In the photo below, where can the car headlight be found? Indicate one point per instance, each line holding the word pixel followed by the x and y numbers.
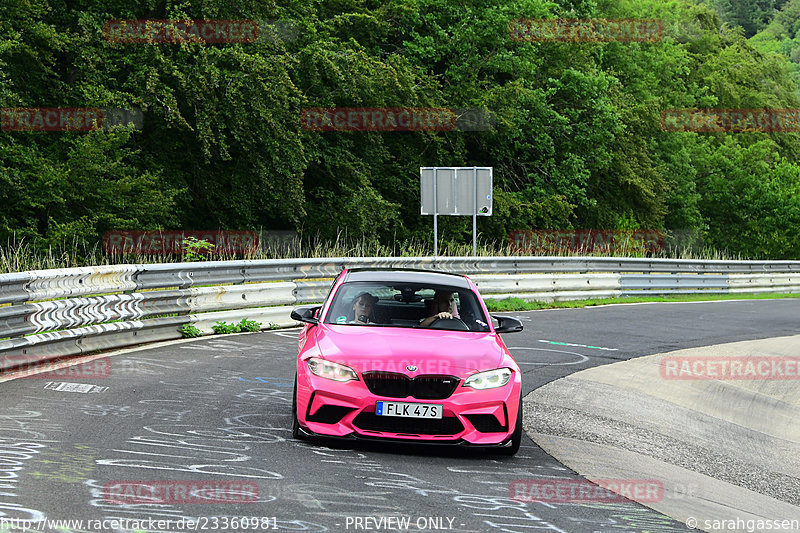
pixel 491 379
pixel 331 370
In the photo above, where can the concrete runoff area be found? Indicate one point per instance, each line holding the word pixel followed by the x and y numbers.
pixel 724 450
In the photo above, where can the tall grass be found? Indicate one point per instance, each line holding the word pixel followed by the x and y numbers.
pixel 22 255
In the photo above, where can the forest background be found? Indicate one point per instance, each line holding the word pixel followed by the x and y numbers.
pixel 577 141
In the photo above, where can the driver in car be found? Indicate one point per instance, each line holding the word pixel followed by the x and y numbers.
pixel 362 308
pixel 444 307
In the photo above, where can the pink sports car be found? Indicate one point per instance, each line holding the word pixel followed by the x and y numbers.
pixel 404 354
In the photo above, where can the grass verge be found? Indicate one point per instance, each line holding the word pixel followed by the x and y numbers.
pixel 24 255
pixel 518 304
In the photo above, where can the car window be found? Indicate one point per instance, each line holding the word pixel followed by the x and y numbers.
pixel 403 305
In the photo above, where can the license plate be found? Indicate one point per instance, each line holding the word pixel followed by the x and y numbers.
pixel 408 410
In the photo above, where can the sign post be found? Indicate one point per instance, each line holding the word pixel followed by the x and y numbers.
pixel 435 215
pixel 456 191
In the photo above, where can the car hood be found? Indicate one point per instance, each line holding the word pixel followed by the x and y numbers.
pixel 394 349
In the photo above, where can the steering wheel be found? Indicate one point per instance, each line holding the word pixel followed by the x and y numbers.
pixel 455 324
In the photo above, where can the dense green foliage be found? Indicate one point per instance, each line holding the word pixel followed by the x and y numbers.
pixel 781 36
pixel 578 141
pixel 751 15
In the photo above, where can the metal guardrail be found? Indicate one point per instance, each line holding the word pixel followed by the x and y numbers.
pixel 61 312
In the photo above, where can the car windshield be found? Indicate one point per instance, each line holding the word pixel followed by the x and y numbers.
pixel 407 306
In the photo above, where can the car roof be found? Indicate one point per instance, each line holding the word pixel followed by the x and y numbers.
pixel 422 277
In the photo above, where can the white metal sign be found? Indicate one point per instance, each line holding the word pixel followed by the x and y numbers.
pixel 458 190
pixel 455 191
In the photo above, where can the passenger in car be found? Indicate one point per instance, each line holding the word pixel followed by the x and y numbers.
pixel 444 307
pixel 363 306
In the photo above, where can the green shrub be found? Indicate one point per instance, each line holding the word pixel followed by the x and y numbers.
pixel 244 325
pixel 508 304
pixel 189 331
pixel 222 327
pixel 196 249
pixel 250 325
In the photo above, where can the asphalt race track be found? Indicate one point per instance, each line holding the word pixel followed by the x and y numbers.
pixel 217 409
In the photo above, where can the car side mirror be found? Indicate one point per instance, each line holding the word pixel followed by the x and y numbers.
pixel 306 314
pixel 506 324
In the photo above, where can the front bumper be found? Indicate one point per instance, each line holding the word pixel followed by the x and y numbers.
pixel 347 410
